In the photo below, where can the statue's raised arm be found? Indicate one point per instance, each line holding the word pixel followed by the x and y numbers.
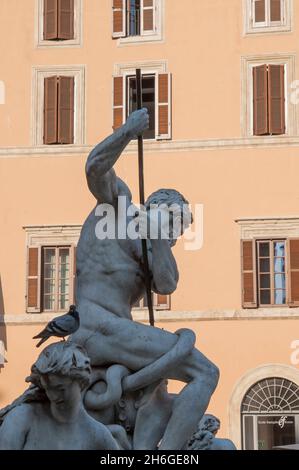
pixel 101 178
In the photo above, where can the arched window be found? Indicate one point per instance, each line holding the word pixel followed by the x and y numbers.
pixel 270 414
pixel 2 92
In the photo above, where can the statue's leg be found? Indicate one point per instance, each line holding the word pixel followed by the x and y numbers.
pixel 152 417
pixel 190 405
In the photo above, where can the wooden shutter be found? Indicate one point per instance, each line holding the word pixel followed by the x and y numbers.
pixel 118 102
pixel 259 11
pixel 260 100
pixel 50 110
pixel 65 19
pixel 147 16
pixel 275 10
pixel 293 271
pixel 248 262
pixel 119 18
pixel 33 280
pixel 164 106
pixel 276 99
pixel 50 19
pixel 66 110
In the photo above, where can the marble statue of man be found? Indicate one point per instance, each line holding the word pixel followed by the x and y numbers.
pixel 50 415
pixel 110 280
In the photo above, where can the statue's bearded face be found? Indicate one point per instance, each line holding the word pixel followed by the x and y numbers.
pixel 64 394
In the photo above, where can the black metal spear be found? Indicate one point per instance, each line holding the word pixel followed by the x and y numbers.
pixel 142 201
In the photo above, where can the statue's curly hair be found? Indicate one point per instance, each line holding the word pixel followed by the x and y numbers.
pixel 63 358
pixel 171 198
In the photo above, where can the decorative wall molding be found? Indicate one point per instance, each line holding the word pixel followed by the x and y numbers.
pixel 152 146
pixel 42 235
pixel 280 227
pixel 166 316
pixel 244 384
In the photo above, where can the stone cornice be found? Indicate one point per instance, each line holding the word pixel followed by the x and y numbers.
pixel 157 146
pixel 172 316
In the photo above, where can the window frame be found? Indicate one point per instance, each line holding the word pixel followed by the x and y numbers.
pixel 257 241
pixel 284 26
pixel 71 277
pixel 37 118
pixel 127 78
pixel 146 37
pixel 156 305
pixel 40 42
pixel 147 68
pixel 291 110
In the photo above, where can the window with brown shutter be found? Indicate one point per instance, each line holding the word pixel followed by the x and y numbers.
pixel 275 10
pixel 248 263
pixel 156 97
pixel 269 100
pixel 65 110
pixel 33 280
pixel 293 245
pixel 260 11
pixel 148 16
pixel 118 102
pixel 269 13
pixel 51 276
pixel 58 19
pixel 119 18
pixel 133 18
pixel 164 106
pixel 50 110
pixel 50 19
pixel 276 99
pixel 59 110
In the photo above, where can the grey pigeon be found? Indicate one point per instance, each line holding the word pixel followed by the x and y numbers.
pixel 62 326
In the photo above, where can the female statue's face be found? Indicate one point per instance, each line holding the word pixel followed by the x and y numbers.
pixel 64 394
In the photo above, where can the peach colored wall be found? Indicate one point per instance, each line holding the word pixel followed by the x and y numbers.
pixel 230 183
pixel 235 346
pixel 203 46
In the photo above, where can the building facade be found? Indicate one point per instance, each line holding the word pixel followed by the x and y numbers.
pixel 220 84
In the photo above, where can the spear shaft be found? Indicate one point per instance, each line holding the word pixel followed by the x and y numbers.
pixel 142 201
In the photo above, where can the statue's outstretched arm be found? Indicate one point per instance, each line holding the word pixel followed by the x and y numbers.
pixel 101 177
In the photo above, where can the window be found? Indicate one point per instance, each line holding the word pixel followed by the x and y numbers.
pixel 267 106
pixel 137 20
pixel 58 105
pixel 270 273
pixel 269 100
pixel 51 275
pixel 59 23
pixel 271 257
pixel 160 302
pixel 55 278
pixel 58 19
pixel 156 97
pixel 270 414
pixel 59 110
pixel 148 100
pixel 264 16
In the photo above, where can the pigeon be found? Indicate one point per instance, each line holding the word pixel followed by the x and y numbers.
pixel 62 326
